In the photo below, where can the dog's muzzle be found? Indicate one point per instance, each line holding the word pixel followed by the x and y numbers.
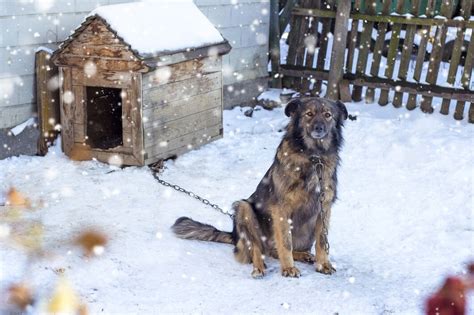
pixel 319 132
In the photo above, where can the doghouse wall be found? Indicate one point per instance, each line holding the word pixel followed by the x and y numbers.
pixel 182 107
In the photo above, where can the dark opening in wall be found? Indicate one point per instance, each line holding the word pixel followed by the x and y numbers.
pixel 104 117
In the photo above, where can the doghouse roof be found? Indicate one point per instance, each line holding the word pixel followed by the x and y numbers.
pixel 154 29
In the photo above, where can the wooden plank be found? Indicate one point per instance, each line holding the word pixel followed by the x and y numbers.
pixel 295 71
pixel 364 48
pixel 353 39
pixel 79 114
pixel 169 58
pixel 322 53
pixel 392 19
pixel 338 50
pixel 138 144
pixel 420 59
pixel 344 91
pixel 96 33
pixel 406 54
pixel 294 37
pixel 375 82
pixel 465 80
pixel 471 113
pixel 436 55
pixel 311 47
pixel 181 71
pixel 180 108
pixel 391 60
pixel 179 90
pixel 102 78
pixel 86 50
pixel 183 144
pixel 101 63
pixel 274 43
pixel 285 14
pixel 67 105
pixel 416 88
pixel 47 100
pixel 378 49
pixel 301 45
pixel 182 126
pixel 456 54
pixel 128 123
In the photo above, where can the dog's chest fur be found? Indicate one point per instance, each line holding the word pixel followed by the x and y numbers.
pixel 292 185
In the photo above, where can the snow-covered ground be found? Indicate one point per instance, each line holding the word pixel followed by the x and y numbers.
pixel 404 220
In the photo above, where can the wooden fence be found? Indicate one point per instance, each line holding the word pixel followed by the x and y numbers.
pixel 385 56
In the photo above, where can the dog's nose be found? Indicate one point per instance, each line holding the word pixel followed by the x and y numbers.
pixel 319 129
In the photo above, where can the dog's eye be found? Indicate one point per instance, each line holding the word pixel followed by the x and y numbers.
pixel 309 114
pixel 327 115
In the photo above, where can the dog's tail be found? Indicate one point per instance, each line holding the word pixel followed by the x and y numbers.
pixel 189 229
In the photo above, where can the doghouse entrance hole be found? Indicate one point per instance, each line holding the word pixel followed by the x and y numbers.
pixel 104 117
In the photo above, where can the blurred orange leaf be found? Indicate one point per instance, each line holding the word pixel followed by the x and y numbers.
pixel 92 242
pixel 16 199
pixel 20 295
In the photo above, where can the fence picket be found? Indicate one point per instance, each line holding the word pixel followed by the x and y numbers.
pixel 465 81
pixel 353 38
pixel 313 31
pixel 364 47
pixel 378 48
pixel 323 49
pixel 420 59
pixel 392 55
pixel 406 54
pixel 436 55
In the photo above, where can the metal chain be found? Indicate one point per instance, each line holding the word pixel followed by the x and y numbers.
pixel 191 194
pixel 319 171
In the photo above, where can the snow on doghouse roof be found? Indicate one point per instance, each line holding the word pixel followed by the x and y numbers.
pixel 157 26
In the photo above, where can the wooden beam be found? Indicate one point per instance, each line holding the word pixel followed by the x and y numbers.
pixel 338 49
pixel 381 83
pixel 274 44
pixel 286 14
pixel 394 19
pixel 47 100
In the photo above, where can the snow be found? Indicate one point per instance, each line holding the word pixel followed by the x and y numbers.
pixel 274 95
pixel 19 128
pixel 403 221
pixel 49 50
pixel 151 27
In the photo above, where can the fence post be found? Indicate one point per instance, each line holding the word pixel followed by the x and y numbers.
pixel 338 49
pixel 274 43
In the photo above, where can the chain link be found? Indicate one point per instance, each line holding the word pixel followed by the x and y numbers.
pixel 316 160
pixel 191 194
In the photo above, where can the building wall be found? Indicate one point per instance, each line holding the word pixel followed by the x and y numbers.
pixel 27 24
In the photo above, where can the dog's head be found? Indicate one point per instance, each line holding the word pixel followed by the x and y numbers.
pixel 316 117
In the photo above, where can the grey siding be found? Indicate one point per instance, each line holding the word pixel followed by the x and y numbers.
pixel 26 25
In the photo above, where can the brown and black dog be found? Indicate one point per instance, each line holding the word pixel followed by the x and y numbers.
pixel 282 218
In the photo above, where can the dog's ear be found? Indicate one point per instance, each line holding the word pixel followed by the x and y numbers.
pixel 292 106
pixel 342 109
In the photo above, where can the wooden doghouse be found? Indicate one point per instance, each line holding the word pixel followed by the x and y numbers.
pixel 140 85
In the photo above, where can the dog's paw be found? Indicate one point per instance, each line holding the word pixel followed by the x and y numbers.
pixel 258 273
pixel 325 268
pixel 305 257
pixel 292 272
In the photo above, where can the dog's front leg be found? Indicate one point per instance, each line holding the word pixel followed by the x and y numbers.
pixel 322 262
pixel 283 242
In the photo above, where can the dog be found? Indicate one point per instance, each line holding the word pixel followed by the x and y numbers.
pixel 291 207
